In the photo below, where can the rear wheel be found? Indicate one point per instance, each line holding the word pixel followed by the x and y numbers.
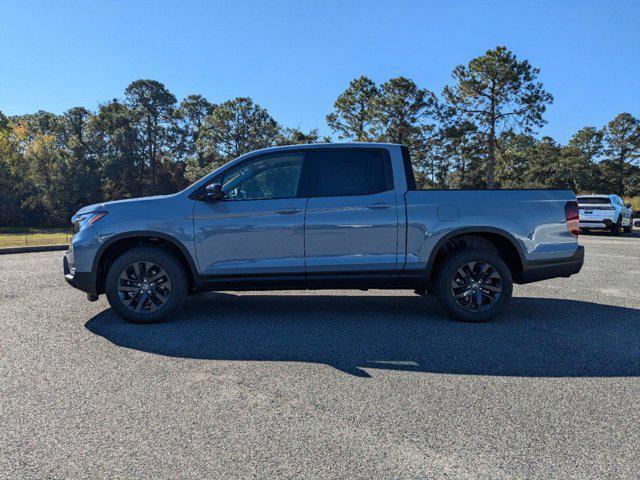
pixel 146 285
pixel 616 227
pixel 474 285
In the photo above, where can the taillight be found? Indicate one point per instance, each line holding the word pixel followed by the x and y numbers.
pixel 572 216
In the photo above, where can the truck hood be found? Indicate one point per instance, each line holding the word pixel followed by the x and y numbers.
pixel 106 206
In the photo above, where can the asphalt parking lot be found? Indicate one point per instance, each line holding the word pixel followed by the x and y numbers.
pixel 324 384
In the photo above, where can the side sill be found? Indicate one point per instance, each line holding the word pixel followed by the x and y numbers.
pixel 318 281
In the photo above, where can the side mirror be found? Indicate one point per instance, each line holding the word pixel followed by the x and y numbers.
pixel 213 192
pixel 628 205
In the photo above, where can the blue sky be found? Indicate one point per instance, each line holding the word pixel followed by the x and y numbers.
pixel 294 58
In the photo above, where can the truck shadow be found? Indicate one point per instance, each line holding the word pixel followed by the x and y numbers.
pixel 539 337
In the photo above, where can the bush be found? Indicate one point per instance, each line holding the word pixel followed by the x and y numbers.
pixel 635 204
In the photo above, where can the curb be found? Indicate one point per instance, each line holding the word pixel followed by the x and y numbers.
pixel 41 248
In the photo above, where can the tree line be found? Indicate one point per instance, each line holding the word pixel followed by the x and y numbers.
pixel 479 132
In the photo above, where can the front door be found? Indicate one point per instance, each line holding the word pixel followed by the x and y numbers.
pixel 352 219
pixel 257 228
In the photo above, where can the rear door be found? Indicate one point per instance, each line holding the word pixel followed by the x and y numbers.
pixel 351 220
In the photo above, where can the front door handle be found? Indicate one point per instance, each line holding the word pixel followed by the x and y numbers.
pixel 379 205
pixel 288 211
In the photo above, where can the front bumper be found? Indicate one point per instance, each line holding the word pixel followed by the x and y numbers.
pixel 85 281
pixel 79 262
pixel 535 270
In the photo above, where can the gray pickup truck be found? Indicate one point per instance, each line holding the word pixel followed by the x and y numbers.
pixel 322 216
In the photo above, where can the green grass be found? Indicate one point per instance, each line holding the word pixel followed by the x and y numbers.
pixel 24 237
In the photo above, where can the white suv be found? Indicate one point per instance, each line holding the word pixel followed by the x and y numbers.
pixel 604 211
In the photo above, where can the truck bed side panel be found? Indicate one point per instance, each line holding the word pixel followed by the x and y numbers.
pixel 535 219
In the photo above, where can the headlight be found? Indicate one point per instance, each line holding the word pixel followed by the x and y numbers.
pixel 83 220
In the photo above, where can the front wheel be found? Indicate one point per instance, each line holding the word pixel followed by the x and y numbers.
pixel 474 285
pixel 146 285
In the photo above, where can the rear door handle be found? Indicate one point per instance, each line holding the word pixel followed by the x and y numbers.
pixel 288 211
pixel 379 205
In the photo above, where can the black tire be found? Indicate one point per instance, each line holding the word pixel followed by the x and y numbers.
pixel 174 285
pixel 616 227
pixel 448 275
pixel 628 229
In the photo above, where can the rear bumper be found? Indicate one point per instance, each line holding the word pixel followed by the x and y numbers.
pixel 536 270
pixel 85 281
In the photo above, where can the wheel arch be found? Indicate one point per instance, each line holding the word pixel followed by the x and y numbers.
pixel 118 244
pixel 502 241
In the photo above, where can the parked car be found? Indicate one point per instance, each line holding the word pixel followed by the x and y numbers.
pixel 605 212
pixel 322 216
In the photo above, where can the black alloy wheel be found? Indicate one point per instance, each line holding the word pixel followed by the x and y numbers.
pixel 476 286
pixel 144 287
pixel 146 284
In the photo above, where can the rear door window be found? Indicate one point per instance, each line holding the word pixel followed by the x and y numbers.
pixel 349 171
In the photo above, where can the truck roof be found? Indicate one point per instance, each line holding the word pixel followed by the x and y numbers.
pixel 325 145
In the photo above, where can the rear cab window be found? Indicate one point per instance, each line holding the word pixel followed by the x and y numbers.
pixel 339 172
pixel 408 169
